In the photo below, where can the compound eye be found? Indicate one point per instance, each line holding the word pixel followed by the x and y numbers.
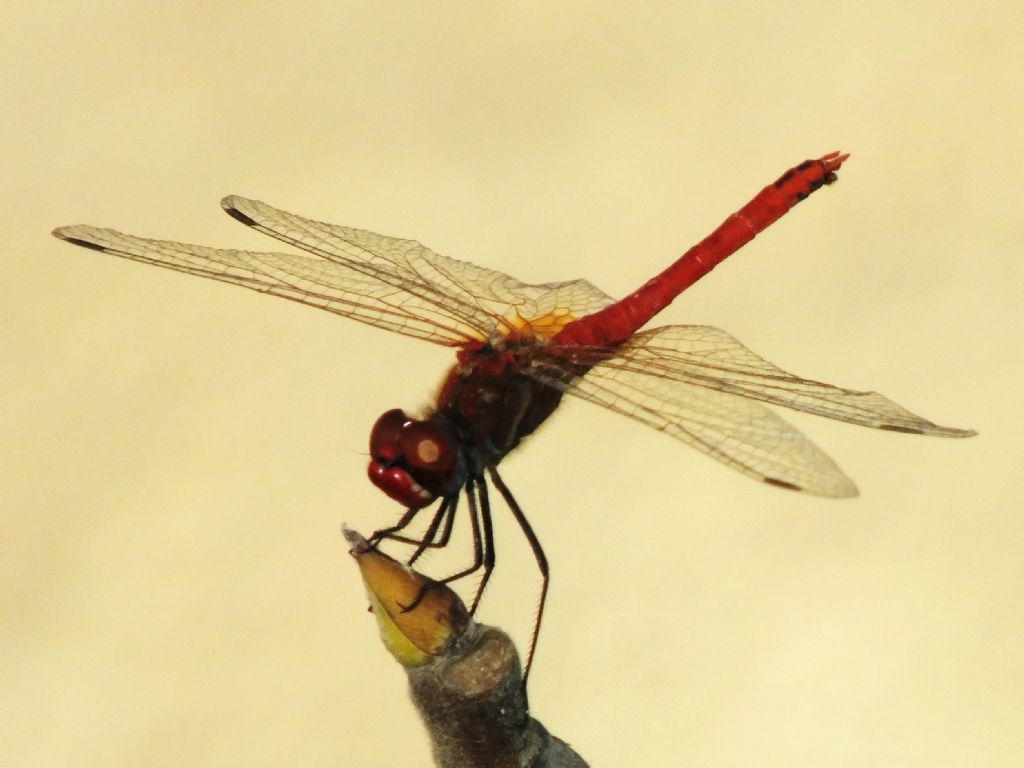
pixel 426 445
pixel 386 434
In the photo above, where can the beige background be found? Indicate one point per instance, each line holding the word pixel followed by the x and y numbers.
pixel 177 455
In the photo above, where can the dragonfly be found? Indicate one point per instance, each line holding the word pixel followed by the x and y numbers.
pixel 521 347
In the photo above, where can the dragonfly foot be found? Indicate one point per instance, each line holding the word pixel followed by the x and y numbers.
pixel 419 596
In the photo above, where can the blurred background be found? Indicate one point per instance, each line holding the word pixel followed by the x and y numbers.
pixel 176 455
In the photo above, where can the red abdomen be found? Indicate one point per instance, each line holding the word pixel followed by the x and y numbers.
pixel 625 317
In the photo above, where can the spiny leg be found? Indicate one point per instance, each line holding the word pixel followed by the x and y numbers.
pixel 488 542
pixel 538 553
pixel 389 533
pixel 446 533
pixel 479 554
pixel 478 551
pixel 445 512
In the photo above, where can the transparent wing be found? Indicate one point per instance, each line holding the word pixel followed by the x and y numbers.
pixel 700 385
pixel 740 433
pixel 713 359
pixel 304 279
pixel 483 295
pixel 395 284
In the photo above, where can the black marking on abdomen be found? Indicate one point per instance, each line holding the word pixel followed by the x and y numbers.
pixel 781 181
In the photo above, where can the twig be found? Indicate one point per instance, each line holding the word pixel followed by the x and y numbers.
pixel 465 678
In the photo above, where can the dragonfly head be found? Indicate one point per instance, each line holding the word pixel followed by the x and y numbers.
pixel 413 461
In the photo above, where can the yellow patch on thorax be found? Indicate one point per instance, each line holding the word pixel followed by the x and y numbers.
pixel 541 328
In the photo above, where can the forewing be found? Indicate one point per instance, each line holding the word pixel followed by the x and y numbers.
pixel 395 284
pixel 484 298
pixel 304 279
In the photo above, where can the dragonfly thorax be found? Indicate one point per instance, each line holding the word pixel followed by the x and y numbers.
pixel 491 404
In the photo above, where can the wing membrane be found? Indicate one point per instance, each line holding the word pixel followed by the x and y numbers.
pixel 700 385
pixel 396 284
pixel 478 295
pixel 738 432
pixel 304 279
pixel 709 357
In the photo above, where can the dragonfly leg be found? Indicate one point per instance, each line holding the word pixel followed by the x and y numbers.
pixel 389 533
pixel 538 553
pixel 446 532
pixel 445 512
pixel 478 549
pixel 483 547
pixel 487 547
pixel 447 508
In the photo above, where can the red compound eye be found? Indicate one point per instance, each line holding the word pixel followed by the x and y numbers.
pixel 385 435
pixel 413 461
pixel 426 445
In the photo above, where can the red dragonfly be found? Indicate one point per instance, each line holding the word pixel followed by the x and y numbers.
pixel 521 347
